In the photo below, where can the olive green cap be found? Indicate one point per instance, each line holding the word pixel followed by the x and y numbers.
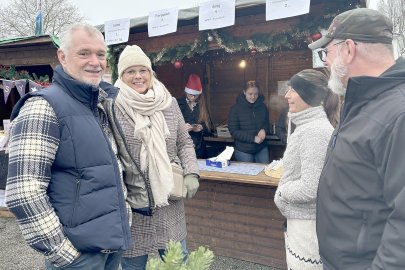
pixel 361 24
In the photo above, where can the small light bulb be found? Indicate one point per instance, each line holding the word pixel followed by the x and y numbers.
pixel 242 64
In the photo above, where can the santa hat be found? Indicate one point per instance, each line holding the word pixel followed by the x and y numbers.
pixel 193 85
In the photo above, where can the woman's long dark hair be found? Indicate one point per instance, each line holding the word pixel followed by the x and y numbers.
pixel 331 103
pixel 204 116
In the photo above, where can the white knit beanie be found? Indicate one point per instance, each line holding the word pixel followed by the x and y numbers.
pixel 133 56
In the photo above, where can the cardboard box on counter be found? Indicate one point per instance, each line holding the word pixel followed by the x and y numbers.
pixel 222 160
pixel 223 131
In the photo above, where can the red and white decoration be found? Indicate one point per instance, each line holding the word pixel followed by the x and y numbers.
pixel 178 64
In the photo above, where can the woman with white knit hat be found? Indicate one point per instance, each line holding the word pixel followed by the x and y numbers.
pixel 151 134
pixel 312 108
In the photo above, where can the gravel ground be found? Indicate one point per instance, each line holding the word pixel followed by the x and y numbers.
pixel 16 255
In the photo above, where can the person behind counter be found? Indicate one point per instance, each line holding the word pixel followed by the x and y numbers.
pixel 195 114
pixel 303 161
pixel 248 123
pixel 151 133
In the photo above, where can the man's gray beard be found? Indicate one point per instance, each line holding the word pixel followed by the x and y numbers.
pixel 338 72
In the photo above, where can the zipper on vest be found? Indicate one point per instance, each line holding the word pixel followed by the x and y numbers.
pixel 78 182
pixel 126 229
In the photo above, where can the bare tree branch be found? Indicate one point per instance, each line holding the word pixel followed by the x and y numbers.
pixel 18 18
pixel 395 9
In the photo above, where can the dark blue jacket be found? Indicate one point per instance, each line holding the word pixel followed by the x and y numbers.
pixel 85 188
pixel 245 120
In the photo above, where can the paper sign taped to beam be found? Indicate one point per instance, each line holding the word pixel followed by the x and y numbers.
pixel 162 22
pixel 116 31
pixel 216 14
pixel 278 9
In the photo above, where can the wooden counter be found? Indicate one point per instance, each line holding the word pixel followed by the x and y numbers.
pixel 271 140
pixel 260 179
pixel 276 147
pixel 235 216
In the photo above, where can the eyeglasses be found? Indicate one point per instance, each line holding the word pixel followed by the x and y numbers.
pixel 289 89
pixel 133 72
pixel 323 53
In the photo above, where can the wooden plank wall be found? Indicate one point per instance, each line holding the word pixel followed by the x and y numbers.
pixel 223 79
pixel 29 55
pixel 175 79
pixel 229 80
pixel 238 221
pixel 221 74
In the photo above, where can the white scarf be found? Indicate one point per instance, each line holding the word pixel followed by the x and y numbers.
pixel 146 116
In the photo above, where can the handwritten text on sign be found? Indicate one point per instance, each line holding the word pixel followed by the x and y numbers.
pixel 116 31
pixel 278 9
pixel 162 22
pixel 216 14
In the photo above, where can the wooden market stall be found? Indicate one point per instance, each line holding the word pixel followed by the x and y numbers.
pixel 33 54
pixel 233 214
pixel 21 58
pixel 273 52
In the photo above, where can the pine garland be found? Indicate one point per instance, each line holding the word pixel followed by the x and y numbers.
pixel 10 73
pixel 295 38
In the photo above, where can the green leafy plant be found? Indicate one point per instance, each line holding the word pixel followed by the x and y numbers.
pixel 200 259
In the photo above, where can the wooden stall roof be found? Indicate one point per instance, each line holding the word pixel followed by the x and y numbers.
pixel 187 14
pixel 29 51
pixel 29 41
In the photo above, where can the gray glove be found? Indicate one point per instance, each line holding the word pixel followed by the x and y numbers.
pixel 190 185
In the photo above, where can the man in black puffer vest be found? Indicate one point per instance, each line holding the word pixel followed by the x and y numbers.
pixel 64 181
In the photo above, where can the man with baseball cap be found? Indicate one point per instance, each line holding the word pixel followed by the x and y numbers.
pixel 361 196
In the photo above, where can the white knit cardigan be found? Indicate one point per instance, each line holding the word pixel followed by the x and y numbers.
pixel 303 162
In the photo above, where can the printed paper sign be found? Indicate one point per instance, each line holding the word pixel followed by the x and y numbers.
pixel 282 88
pixel 116 31
pixel 216 14
pixel 278 9
pixel 162 22
pixel 316 61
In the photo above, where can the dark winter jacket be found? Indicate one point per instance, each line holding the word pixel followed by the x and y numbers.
pixel 85 187
pixel 245 120
pixel 361 196
pixel 191 117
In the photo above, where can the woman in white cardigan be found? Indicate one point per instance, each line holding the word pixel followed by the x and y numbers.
pixel 312 108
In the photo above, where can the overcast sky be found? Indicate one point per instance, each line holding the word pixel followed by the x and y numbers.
pixel 99 11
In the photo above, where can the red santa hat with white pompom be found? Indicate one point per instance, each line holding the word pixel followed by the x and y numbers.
pixel 193 85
